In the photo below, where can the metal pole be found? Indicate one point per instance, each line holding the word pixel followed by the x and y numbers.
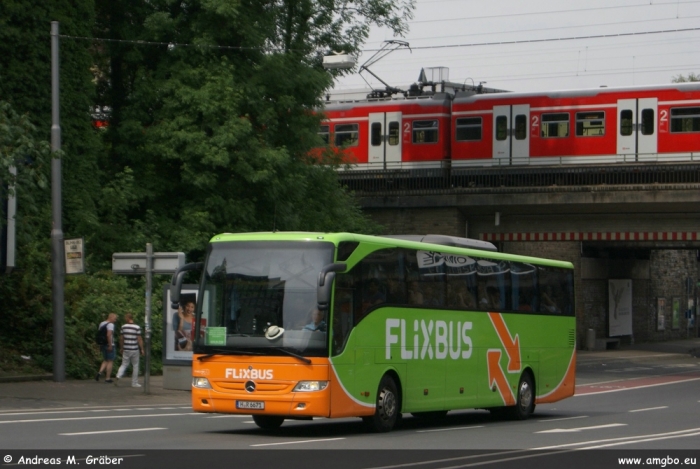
pixel 57 271
pixel 149 281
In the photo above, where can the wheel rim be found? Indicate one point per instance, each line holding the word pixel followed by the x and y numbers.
pixel 525 395
pixel 387 404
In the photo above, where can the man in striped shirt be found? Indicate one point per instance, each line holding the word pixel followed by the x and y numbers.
pixel 132 347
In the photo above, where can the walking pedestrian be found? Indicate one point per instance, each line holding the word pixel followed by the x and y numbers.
pixel 107 349
pixel 132 347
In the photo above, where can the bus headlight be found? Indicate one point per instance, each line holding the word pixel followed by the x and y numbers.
pixel 201 383
pixel 309 386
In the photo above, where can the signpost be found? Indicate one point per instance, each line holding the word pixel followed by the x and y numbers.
pixel 148 263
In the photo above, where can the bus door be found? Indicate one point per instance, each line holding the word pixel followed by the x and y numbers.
pixel 384 139
pixel 636 128
pixel 511 139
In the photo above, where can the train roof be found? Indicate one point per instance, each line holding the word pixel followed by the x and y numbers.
pixel 586 92
pixel 427 100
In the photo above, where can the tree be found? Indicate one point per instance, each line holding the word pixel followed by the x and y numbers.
pixel 217 121
pixel 683 79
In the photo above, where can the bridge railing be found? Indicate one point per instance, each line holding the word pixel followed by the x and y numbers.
pixel 459 178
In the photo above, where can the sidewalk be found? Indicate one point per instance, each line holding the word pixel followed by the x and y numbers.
pixel 688 347
pixel 46 393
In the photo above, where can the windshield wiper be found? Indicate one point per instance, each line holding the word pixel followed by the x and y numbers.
pixel 224 351
pixel 295 355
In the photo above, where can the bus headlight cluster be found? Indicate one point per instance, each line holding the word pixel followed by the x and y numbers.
pixel 201 383
pixel 309 386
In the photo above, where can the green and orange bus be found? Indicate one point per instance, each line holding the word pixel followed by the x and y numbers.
pixel 303 325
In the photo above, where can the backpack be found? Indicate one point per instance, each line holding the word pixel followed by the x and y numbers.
pixel 101 336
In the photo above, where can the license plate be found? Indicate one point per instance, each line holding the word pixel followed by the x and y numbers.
pixel 257 405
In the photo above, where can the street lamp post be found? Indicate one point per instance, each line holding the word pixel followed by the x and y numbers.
pixel 57 273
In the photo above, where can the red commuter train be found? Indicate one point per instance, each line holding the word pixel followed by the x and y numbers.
pixel 602 125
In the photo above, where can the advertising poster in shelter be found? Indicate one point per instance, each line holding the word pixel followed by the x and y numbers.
pixel 676 314
pixel 661 314
pixel 179 325
pixel 619 307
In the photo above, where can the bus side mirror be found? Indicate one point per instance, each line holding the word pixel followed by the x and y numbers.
pixel 325 283
pixel 176 282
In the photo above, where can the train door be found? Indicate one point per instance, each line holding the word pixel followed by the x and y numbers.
pixel 511 139
pixel 384 139
pixel 636 128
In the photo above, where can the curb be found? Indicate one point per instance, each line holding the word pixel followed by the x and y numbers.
pixel 22 378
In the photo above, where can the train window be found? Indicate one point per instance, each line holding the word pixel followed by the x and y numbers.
pixel 647 122
pixel 520 127
pixel 376 134
pixel 501 128
pixel 685 119
pixel 555 125
pixel 590 124
pixel 425 131
pixel 394 133
pixel 324 133
pixel 468 128
pixel 626 122
pixel 347 134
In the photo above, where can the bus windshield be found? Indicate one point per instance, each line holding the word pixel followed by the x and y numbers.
pixel 259 297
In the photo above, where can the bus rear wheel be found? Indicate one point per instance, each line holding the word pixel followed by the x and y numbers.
pixel 525 400
pixel 268 422
pixel 388 407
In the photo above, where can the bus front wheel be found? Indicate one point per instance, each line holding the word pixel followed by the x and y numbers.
pixel 268 422
pixel 388 407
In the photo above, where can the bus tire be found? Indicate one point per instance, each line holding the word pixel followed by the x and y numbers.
pixel 388 407
pixel 525 400
pixel 268 422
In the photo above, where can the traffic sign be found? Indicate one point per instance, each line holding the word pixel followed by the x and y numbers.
pixel 134 263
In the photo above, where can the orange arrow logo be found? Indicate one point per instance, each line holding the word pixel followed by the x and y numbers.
pixel 510 344
pixel 497 377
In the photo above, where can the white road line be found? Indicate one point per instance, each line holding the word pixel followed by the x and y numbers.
pixel 626 439
pixel 102 417
pixel 297 442
pixel 579 429
pixel 84 408
pixel 636 387
pixel 115 431
pixel 45 412
pixel 649 408
pixel 449 429
pixel 564 418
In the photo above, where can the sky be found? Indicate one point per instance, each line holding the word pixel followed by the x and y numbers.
pixel 535 45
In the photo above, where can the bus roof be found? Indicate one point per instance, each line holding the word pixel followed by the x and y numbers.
pixel 438 243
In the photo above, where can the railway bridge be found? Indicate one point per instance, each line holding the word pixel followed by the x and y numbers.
pixel 630 221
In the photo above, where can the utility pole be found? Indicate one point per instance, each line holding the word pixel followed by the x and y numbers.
pixel 57 274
